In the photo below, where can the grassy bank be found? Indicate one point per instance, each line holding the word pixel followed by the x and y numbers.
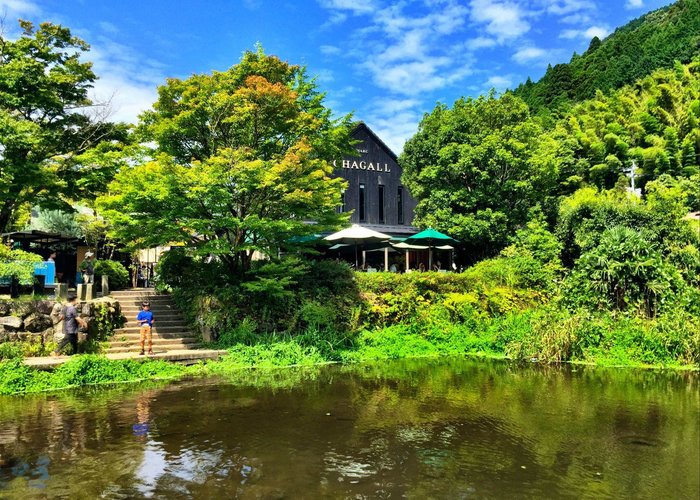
pixel 521 335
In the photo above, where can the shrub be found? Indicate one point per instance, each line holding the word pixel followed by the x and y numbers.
pixel 11 350
pixel 118 274
pixel 624 271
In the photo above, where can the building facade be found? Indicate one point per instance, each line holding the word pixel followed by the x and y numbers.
pixel 375 193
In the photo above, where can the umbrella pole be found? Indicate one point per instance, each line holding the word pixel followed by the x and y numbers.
pixel 357 262
pixel 430 258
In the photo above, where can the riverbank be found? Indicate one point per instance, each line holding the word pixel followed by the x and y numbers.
pixel 392 343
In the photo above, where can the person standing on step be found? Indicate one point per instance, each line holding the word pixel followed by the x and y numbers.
pixel 87 267
pixel 71 323
pixel 145 321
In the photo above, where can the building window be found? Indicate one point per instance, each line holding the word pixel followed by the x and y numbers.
pixel 363 203
pixel 399 204
pixel 381 203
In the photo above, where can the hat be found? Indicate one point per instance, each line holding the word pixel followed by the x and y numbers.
pixel 89 254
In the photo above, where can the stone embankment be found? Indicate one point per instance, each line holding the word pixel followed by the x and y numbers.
pixel 38 321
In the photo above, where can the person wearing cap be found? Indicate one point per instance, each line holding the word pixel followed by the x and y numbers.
pixel 88 268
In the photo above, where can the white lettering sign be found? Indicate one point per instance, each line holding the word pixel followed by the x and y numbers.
pixel 363 165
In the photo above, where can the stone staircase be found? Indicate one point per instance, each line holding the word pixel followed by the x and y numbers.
pixel 170 332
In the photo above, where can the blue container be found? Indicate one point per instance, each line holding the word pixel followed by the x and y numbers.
pixel 46 269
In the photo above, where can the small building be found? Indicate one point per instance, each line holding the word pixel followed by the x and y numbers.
pixel 375 192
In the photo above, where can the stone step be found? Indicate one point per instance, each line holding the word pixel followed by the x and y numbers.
pixel 163 308
pixel 160 322
pixel 137 302
pixel 156 349
pixel 156 342
pixel 122 337
pixel 158 328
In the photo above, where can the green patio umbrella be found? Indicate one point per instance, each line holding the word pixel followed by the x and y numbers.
pixel 431 238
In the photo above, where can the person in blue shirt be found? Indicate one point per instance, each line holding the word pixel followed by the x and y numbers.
pixel 145 321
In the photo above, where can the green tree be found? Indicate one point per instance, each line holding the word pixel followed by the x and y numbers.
pixel 243 164
pixel 43 126
pixel 473 171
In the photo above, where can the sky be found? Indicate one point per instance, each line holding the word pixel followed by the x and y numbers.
pixel 386 62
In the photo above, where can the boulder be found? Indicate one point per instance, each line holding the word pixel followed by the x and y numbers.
pixel 87 308
pixel 11 323
pixel 47 335
pixel 37 322
pixel 4 308
pixel 56 312
pixel 21 308
pixel 45 306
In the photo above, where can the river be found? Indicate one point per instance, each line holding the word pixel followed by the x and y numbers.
pixel 456 428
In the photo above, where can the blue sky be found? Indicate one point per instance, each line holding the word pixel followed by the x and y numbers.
pixel 388 62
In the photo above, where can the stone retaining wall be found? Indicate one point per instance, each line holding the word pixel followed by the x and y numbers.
pixel 39 321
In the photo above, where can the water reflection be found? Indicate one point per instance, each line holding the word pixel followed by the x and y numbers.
pixel 450 429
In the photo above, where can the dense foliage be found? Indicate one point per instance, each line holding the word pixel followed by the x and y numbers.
pixel 653 41
pixel 243 162
pixel 17 264
pixel 116 272
pixel 474 171
pixel 44 130
pixel 478 168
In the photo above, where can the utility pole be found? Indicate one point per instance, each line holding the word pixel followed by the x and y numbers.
pixel 632 172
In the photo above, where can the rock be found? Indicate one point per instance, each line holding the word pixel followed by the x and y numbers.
pixel 29 337
pixel 11 323
pixel 22 309
pixel 56 311
pixel 37 322
pixel 45 306
pixel 4 308
pixel 47 335
pixel 4 336
pixel 88 308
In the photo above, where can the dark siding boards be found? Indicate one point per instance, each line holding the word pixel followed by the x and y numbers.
pixel 372 150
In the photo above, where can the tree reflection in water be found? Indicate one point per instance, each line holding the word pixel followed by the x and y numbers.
pixel 422 428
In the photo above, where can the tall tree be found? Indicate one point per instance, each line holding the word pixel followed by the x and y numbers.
pixel 242 164
pixel 43 124
pixel 473 172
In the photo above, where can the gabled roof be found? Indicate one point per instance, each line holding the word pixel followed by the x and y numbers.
pixel 363 126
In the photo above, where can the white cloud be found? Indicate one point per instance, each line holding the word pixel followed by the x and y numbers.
pixel 567 7
pixel 413 57
pixel 354 6
pixel 329 50
pixel 13 8
pixel 634 4
pixel 599 31
pixel 325 76
pixel 503 19
pixel 395 129
pixel 500 83
pixel 528 54
pixel 108 27
pixel 127 80
pixel 480 42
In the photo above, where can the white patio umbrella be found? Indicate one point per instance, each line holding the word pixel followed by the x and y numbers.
pixel 357 235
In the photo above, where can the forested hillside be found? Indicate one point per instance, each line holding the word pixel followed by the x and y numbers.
pixel 651 42
pixel 479 167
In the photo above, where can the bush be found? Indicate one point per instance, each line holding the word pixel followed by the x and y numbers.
pixel 10 350
pixel 118 274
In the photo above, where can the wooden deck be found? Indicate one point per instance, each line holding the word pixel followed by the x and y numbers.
pixel 185 356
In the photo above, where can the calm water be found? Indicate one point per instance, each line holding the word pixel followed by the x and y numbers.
pixel 418 429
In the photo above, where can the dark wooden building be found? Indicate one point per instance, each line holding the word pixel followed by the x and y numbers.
pixel 375 193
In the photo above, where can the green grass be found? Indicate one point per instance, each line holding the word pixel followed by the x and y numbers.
pixel 545 334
